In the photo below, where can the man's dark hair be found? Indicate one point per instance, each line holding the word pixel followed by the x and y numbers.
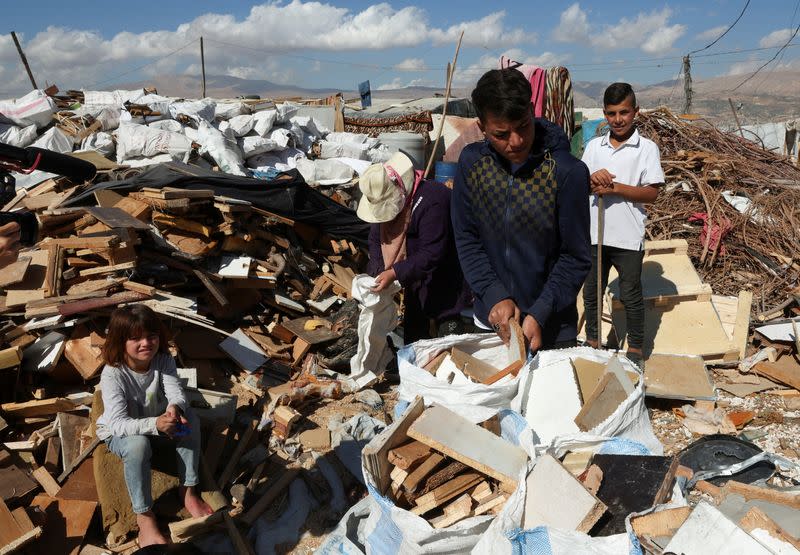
pixel 617 93
pixel 503 93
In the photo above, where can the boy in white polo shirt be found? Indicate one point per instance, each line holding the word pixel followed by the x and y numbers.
pixel 626 170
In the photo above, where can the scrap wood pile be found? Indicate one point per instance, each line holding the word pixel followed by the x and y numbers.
pixel 755 247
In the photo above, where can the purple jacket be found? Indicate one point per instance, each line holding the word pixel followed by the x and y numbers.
pixel 431 271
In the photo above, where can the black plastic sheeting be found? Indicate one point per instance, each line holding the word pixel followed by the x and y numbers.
pixel 287 195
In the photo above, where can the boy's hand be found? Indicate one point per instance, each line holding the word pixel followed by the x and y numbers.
pixel 499 316
pixel 601 179
pixel 533 332
pixel 175 412
pixel 167 424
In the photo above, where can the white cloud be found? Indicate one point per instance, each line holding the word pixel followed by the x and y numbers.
pixel 749 66
pixel 650 32
pixel 711 34
pixel 775 38
pixel 411 64
pixel 84 58
pixel 397 83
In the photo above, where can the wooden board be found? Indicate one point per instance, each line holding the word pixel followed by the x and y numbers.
pixel 67 523
pixel 473 367
pixel 14 272
pixel 375 455
pixel 604 400
pixel 631 484
pixel 784 370
pixel 46 480
pixel 244 351
pixel 43 407
pixel 665 273
pixel 409 454
pixel 684 328
pixel 707 530
pixel 554 497
pixel 517 344
pixel 312 337
pixel 661 524
pixel 115 217
pixel 419 474
pixel 476 447
pixel 14 483
pixel 70 428
pixel 678 377
pixel 9 529
pixel 588 374
pixel 32 286
pixel 81 350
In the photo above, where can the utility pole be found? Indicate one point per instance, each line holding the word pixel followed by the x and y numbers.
pixel 687 85
pixel 24 59
pixel 736 117
pixel 203 66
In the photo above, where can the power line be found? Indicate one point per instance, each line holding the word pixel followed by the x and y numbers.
pixel 782 48
pixel 764 80
pixel 726 30
pixel 167 55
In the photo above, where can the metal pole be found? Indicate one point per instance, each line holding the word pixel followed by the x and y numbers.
pixel 24 59
pixel 203 66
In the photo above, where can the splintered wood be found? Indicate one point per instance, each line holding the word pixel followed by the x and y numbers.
pixel 444 468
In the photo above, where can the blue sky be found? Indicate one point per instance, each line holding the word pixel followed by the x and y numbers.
pixel 338 43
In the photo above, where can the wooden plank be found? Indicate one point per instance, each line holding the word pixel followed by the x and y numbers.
pixel 136 208
pixel 69 309
pixel 375 454
pixel 241 446
pixel 476 447
pixel 10 357
pixel 79 459
pixel 14 272
pixel 678 377
pixel 23 520
pixel 549 484
pixel 115 217
pixel 9 529
pixel 408 455
pixel 319 335
pixel 239 543
pixel 107 269
pixel 412 481
pixel 785 370
pixel 70 428
pixel 14 483
pixel 660 524
pixel 742 326
pixel 588 374
pixel 492 503
pixel 604 400
pixel 187 528
pixel 85 356
pixel 517 344
pixel 510 370
pixel 244 351
pixel 476 369
pixel 44 407
pixel 458 510
pixel 275 489
pixel 446 492
pixel 96 242
pixel 707 530
pixel 45 480
pixel 68 520
pixel 140 287
pixel 215 446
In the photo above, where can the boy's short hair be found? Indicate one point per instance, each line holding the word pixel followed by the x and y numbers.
pixel 617 93
pixel 128 322
pixel 503 93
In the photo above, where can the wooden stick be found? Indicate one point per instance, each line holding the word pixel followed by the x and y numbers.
pixel 451 69
pixel 601 216
pixel 78 460
pixel 269 496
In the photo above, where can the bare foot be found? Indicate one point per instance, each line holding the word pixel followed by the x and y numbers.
pixel 193 502
pixel 592 343
pixel 149 534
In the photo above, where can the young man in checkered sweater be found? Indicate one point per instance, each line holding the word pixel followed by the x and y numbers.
pixel 520 218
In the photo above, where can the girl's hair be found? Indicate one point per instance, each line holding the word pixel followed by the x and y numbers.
pixel 128 322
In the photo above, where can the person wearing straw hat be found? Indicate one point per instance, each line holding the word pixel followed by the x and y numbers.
pixel 411 241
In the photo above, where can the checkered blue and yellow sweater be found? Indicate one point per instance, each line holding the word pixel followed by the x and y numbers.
pixel 524 234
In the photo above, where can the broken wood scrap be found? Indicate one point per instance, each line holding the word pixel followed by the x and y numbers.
pixel 16 529
pixel 445 492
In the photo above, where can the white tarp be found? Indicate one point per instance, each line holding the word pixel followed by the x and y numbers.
pixel 35 108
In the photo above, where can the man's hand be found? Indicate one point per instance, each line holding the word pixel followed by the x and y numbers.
pixel 9 243
pixel 601 180
pixel 384 280
pixel 533 332
pixel 499 316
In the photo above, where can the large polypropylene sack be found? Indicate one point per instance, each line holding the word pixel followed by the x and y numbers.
pixel 629 421
pixel 377 318
pixel 117 98
pixel 35 108
pixel 226 153
pixel 198 110
pixel 474 401
pixel 135 140
pixel 391 530
pixel 17 136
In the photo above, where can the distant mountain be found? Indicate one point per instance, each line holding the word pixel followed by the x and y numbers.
pixel 767 97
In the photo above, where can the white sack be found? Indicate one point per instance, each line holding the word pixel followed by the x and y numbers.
pixel 198 110
pixel 474 401
pixel 286 112
pixel 17 136
pixel 253 145
pixel 134 140
pixel 324 172
pixel 329 150
pixel 225 153
pixel 101 142
pixel 56 140
pixel 240 125
pixel 171 125
pixel 227 110
pixel 264 120
pixel 116 98
pixel 282 160
pixel 377 318
pixel 35 108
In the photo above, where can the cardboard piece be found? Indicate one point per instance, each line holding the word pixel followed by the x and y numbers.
pixel 548 485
